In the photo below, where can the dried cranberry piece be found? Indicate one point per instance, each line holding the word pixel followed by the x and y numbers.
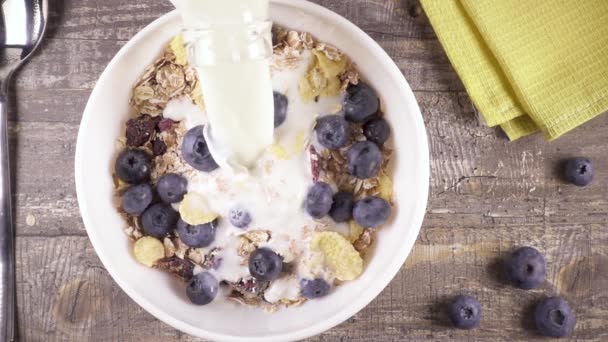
pixel 165 125
pixel 158 147
pixel 140 129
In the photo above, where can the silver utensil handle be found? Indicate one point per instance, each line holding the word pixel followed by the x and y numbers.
pixel 7 237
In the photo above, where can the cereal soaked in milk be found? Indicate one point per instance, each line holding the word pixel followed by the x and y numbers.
pixel 249 234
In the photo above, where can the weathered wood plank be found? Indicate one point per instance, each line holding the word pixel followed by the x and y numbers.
pixel 487 196
pixel 66 294
pixel 120 20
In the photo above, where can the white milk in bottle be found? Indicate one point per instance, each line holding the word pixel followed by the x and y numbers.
pixel 230 45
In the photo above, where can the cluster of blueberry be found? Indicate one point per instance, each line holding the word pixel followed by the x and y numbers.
pixel 364 159
pixel 134 166
pixel 525 268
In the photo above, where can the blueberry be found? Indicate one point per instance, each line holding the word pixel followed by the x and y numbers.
pixel 377 131
pixel 172 187
pixel 198 236
pixel 364 159
pixel 342 208
pixel 371 211
pixel 159 219
pixel 265 265
pixel 196 152
pixel 280 108
pixel 315 288
pixel 133 166
pixel 239 218
pixel 554 317
pixel 579 171
pixel 464 312
pixel 333 132
pixel 319 200
pixel 137 198
pixel 361 103
pixel 202 288
pixel 525 267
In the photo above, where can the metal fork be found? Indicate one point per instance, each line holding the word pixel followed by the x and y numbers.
pixel 22 25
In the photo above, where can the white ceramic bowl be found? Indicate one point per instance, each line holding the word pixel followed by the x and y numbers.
pixel 163 297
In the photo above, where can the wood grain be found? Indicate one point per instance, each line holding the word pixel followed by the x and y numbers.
pixel 488 195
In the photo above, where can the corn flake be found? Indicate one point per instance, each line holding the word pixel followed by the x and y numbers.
pixel 385 186
pixel 340 255
pixel 322 78
pixel 194 210
pixel 178 49
pixel 148 250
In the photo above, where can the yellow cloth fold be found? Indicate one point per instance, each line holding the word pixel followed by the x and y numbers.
pixel 528 65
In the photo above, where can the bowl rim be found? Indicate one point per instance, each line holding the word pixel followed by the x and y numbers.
pixel 348 311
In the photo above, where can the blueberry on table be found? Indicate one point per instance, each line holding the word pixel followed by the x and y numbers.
pixel 265 264
pixel 133 166
pixel 342 208
pixel 202 288
pixel 137 198
pixel 280 108
pixel 196 151
pixel 159 220
pixel 172 187
pixel 525 268
pixel 579 171
pixel 319 200
pixel 377 131
pixel 333 131
pixel 198 236
pixel 361 103
pixel 239 217
pixel 464 312
pixel 314 288
pixel 364 159
pixel 554 317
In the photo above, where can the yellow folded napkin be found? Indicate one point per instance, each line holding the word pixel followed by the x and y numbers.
pixel 528 65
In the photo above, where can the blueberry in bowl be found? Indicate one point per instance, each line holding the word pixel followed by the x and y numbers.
pixel 364 159
pixel 281 104
pixel 333 131
pixel 265 264
pixel 202 288
pixel 319 200
pixel 371 211
pixel 314 288
pixel 239 217
pixel 342 206
pixel 159 219
pixel 361 103
pixel 137 198
pixel 377 131
pixel 133 166
pixel 197 236
pixel 196 151
pixel 172 187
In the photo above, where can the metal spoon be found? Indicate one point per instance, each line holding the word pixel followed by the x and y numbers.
pixel 22 25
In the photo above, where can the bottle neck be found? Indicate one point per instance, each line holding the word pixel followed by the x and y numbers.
pixel 229 43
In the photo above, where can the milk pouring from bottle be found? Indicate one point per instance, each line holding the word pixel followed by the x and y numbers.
pixel 230 45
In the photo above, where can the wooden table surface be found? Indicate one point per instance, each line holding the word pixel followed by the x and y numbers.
pixel 487 196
